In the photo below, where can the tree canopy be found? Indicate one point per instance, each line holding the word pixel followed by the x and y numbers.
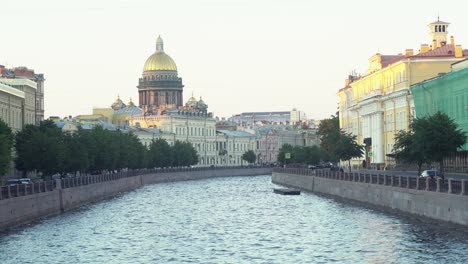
pixel 304 155
pixel 249 156
pixel 160 154
pixel 6 144
pixel 184 154
pixel 347 148
pixel 48 150
pixel 40 148
pixel 430 139
pixel 329 132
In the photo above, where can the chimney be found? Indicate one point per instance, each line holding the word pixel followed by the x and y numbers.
pixel 452 41
pixel 434 44
pixel 409 52
pixel 424 48
pixel 458 51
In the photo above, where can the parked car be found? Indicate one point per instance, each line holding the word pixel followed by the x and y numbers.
pixel 431 173
pixel 19 181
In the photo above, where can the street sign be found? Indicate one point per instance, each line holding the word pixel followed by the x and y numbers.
pixel 369 154
pixel 287 155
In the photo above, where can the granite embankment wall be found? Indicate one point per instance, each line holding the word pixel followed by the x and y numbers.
pixel 25 203
pixel 440 200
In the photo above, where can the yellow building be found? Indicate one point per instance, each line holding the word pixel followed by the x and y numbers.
pixel 377 105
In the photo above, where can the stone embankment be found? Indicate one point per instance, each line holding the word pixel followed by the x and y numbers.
pixel 27 202
pixel 444 200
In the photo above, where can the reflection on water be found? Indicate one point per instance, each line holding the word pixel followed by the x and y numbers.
pixel 229 220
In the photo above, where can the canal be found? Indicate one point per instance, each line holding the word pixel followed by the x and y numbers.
pixel 229 220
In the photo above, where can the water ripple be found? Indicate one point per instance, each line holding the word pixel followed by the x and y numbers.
pixel 229 220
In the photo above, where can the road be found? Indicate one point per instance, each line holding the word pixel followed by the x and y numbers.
pixel 457 176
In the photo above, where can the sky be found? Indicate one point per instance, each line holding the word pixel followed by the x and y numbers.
pixel 239 56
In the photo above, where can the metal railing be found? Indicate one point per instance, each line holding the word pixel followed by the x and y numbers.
pixel 17 190
pixel 451 186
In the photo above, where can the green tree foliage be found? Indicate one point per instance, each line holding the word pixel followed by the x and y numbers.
pixel 305 155
pixel 432 138
pixel 286 148
pixel 40 148
pixel 329 132
pixel 103 149
pixel 249 156
pixel 48 150
pixel 137 152
pixel 159 154
pixel 76 154
pixel 315 155
pixel 184 154
pixel 131 153
pixel 6 143
pixel 407 149
pixel 347 148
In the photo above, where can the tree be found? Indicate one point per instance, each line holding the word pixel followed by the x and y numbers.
pixel 432 138
pixel 159 154
pixel 6 143
pixel 137 152
pixel 184 154
pixel 103 148
pixel 329 132
pixel 249 156
pixel 76 155
pixel 286 148
pixel 314 155
pixel 40 148
pixel 347 148
pixel 408 149
pixel 25 157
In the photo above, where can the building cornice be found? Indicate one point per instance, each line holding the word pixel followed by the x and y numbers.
pixel 10 90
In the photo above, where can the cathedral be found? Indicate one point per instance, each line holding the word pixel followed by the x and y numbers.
pixel 160 113
pixel 160 87
pixel 160 94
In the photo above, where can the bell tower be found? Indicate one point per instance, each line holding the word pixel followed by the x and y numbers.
pixel 438 32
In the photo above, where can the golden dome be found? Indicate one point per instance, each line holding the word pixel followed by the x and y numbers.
pixel 160 61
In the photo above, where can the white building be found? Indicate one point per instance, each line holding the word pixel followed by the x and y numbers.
pixel 17 102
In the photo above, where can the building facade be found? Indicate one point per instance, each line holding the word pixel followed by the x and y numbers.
pixel 377 105
pixel 23 73
pixel 279 117
pixel 447 93
pixel 12 106
pixel 271 138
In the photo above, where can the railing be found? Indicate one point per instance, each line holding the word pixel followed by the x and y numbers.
pixel 450 186
pixel 17 190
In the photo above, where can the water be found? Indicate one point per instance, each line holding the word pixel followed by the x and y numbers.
pixel 229 220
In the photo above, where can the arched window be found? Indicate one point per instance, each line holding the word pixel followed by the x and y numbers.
pixel 443 28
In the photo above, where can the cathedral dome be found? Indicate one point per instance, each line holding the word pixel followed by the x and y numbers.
pixel 118 104
pixel 192 102
pixel 160 61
